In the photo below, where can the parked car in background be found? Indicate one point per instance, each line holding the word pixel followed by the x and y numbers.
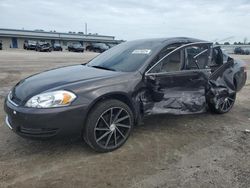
pixel 111 45
pixel 97 47
pixel 43 47
pixel 239 50
pixel 29 45
pixel 1 45
pixel 75 47
pixel 247 52
pixel 57 47
pixel 102 100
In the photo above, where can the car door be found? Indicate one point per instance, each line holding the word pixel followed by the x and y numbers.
pixel 177 82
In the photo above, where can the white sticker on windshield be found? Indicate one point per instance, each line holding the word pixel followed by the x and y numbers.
pixel 141 51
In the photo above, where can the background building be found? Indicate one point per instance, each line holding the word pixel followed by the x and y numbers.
pixel 14 38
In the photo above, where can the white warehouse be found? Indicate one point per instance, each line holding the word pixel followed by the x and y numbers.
pixel 14 38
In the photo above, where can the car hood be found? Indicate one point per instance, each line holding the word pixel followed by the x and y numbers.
pixel 45 46
pixel 47 80
pixel 78 47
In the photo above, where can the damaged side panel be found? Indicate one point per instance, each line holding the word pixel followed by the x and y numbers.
pixel 221 85
pixel 182 92
pixel 204 79
pixel 177 102
pixel 186 92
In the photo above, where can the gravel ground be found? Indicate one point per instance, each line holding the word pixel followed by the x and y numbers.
pixel 204 150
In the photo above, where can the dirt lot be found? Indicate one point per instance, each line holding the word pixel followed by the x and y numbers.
pixel 204 150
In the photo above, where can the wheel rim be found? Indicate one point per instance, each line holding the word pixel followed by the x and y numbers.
pixel 226 103
pixel 112 128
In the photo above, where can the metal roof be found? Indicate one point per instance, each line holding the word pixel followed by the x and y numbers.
pixel 53 35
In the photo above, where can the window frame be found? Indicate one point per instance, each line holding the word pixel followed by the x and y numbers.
pixel 147 73
pixel 163 62
pixel 207 50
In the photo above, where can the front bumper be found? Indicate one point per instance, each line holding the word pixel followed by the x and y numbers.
pixel 78 49
pixel 45 49
pixel 57 49
pixel 7 122
pixel 45 123
pixel 31 47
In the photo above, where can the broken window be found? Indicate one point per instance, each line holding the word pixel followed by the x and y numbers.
pixel 217 59
pixel 196 57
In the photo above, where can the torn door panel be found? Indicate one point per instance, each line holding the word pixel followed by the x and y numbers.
pixel 175 102
pixel 193 95
pixel 185 96
pixel 221 84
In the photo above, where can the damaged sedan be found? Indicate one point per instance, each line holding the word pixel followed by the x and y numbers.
pixel 102 100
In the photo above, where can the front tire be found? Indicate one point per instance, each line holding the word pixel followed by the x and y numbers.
pixel 108 126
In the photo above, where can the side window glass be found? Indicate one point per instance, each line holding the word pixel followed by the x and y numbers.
pixel 170 63
pixel 196 57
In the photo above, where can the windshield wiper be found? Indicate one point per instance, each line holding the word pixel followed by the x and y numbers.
pixel 101 67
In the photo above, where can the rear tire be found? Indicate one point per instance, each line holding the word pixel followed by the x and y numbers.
pixel 225 104
pixel 108 126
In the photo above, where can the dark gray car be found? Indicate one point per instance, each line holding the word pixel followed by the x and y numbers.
pixel 102 100
pixel 75 47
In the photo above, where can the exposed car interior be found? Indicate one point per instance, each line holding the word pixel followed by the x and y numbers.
pixel 196 57
pixel 189 58
pixel 173 60
pixel 217 59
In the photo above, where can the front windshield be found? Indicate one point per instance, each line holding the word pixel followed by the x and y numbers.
pixel 77 45
pixel 32 42
pixel 125 57
pixel 102 45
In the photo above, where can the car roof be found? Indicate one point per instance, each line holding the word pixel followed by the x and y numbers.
pixel 172 40
pixel 163 42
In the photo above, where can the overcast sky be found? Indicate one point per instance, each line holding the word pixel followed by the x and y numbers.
pixel 128 19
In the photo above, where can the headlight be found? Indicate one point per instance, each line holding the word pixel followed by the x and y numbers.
pixel 51 99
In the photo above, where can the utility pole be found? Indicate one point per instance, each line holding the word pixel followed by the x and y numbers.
pixel 86 28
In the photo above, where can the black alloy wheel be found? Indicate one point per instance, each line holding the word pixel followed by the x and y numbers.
pixel 224 104
pixel 108 126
